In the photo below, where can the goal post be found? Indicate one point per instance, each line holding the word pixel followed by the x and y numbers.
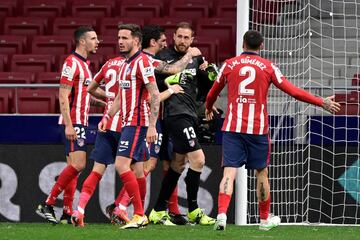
pixel 315 165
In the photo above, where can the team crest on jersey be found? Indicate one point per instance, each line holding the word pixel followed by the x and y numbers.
pixel 125 84
pixel 191 143
pixel 66 71
pixel 157 149
pixel 80 142
pixel 148 71
pixel 87 81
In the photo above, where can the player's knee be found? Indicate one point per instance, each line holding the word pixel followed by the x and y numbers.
pixel 79 165
pixel 262 173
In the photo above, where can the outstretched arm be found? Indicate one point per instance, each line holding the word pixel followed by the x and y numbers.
pixel 180 65
pixel 95 91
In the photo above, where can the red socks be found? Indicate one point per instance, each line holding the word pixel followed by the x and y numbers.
pixel 123 197
pixel 69 196
pixel 173 204
pixel 264 208
pixel 223 202
pixel 132 188
pixel 65 177
pixel 88 189
pixel 142 189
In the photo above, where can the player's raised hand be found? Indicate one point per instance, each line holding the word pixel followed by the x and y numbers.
pixel 330 105
pixel 103 123
pixel 151 134
pixel 194 51
pixel 70 133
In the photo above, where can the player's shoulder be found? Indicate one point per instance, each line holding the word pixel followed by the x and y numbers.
pixel 164 54
pixel 116 61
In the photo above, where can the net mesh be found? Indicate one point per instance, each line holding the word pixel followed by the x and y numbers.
pixel 315 165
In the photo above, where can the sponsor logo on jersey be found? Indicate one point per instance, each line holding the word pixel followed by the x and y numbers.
pixel 191 143
pixel 148 72
pixel 125 84
pixel 170 61
pixel 66 71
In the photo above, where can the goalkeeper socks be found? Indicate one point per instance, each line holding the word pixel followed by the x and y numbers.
pixel 88 190
pixel 167 188
pixel 173 203
pixel 69 196
pixel 223 202
pixel 132 188
pixel 65 177
pixel 264 208
pixel 192 181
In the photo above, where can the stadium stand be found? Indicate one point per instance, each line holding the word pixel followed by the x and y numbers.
pixel 144 9
pixel 3 62
pixel 109 26
pixel 52 44
pixel 5 100
pixel 32 63
pixel 67 25
pixel 44 8
pixel 36 100
pixel 10 44
pixel 26 26
pixel 48 77
pixel 17 77
pixel 7 8
pixel 93 8
pixel 193 9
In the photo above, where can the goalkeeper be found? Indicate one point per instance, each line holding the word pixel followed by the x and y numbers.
pixel 245 129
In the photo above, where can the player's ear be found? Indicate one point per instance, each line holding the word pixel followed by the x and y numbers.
pixel 262 46
pixel 152 42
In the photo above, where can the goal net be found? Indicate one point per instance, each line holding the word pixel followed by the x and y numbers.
pixel 315 165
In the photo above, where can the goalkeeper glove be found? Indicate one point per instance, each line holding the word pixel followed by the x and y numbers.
pixel 212 71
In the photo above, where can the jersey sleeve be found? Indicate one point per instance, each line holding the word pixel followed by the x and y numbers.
pixel 218 85
pixel 100 75
pixel 286 86
pixel 69 71
pixel 146 70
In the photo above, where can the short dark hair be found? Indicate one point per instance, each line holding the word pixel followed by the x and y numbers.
pixel 253 39
pixel 151 32
pixel 185 25
pixel 133 28
pixel 80 32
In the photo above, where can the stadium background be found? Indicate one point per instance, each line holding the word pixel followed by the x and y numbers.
pixel 36 36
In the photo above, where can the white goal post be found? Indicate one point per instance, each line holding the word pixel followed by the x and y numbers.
pixel 315 164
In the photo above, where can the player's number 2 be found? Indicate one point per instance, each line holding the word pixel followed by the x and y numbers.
pixel 112 74
pixel 243 89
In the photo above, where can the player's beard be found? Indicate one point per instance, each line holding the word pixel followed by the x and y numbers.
pixel 182 48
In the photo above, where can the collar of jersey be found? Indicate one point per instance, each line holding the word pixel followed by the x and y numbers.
pixel 133 56
pixel 149 54
pixel 79 56
pixel 250 53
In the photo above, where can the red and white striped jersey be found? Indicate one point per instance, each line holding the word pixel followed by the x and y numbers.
pixel 248 77
pixel 76 73
pixel 134 74
pixel 108 73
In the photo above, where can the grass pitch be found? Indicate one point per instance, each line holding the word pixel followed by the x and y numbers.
pixel 23 231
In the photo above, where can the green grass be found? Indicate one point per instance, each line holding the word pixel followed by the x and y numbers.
pixel 23 231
